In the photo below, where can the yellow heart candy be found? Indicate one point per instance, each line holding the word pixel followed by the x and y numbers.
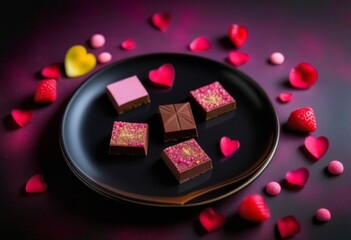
pixel 78 61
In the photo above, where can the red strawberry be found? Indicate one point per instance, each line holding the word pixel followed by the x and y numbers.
pixel 254 208
pixel 237 35
pixel 303 120
pixel 45 91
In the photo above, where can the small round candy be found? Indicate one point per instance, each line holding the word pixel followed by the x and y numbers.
pixel 323 215
pixel 104 57
pixel 97 40
pixel 335 167
pixel 276 58
pixel 273 188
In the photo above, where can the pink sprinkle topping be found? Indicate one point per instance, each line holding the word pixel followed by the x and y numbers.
pixel 104 57
pixel 97 41
pixel 276 58
pixel 129 134
pixel 212 96
pixel 186 155
pixel 335 167
pixel 273 188
pixel 323 215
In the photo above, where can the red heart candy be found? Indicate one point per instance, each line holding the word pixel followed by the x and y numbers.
pixel 317 147
pixel 200 44
pixel 228 146
pixel 298 177
pixel 238 35
pixel 254 208
pixel 288 226
pixel 163 76
pixel 211 220
pixel 52 71
pixel 36 184
pixel 22 117
pixel 161 21
pixel 285 97
pixel 238 58
pixel 303 76
pixel 128 44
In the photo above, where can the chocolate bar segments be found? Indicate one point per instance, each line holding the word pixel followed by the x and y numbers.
pixel 212 100
pixel 177 121
pixel 186 160
pixel 129 138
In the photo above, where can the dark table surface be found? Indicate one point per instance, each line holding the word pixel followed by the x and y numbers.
pixel 35 34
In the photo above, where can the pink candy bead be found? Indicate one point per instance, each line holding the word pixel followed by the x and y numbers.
pixel 97 40
pixel 276 58
pixel 323 215
pixel 273 188
pixel 335 167
pixel 104 57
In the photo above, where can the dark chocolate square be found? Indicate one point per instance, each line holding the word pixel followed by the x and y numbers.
pixel 177 121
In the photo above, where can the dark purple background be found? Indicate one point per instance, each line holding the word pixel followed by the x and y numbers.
pixel 37 34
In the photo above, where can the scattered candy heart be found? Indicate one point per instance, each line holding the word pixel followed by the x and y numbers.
pixel 317 147
pixel 78 62
pixel 303 120
pixel 228 146
pixel 335 167
pixel 163 76
pixel 22 117
pixel 238 35
pixel 285 97
pixel 254 208
pixel 36 184
pixel 323 215
pixel 161 21
pixel 128 44
pixel 97 40
pixel 200 44
pixel 273 188
pixel 52 71
pixel 298 177
pixel 238 58
pixel 288 226
pixel 45 92
pixel 276 58
pixel 104 57
pixel 303 76
pixel 211 220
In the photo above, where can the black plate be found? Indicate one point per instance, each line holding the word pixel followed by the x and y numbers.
pixel 88 119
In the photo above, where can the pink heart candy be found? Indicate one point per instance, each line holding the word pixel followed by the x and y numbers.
pixel 200 44
pixel 228 146
pixel 317 147
pixel 303 76
pixel 161 21
pixel 36 184
pixel 163 76
pixel 297 178
pixel 288 226
pixel 52 71
pixel 285 97
pixel 238 58
pixel 128 44
pixel 211 220
pixel 22 117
